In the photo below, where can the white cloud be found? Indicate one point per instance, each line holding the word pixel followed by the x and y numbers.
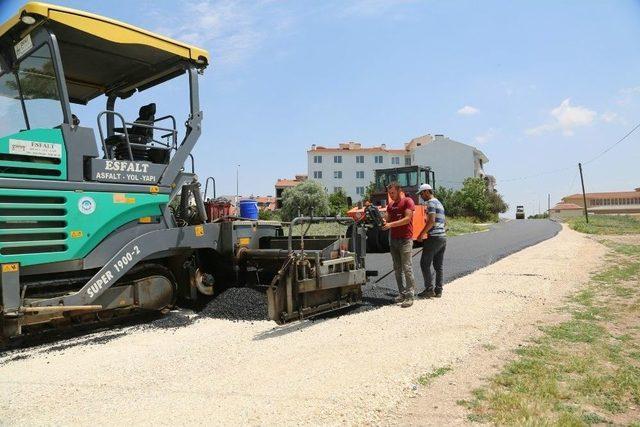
pixel 468 110
pixel 486 136
pixel 231 30
pixel 565 118
pixel 610 117
pixel 626 95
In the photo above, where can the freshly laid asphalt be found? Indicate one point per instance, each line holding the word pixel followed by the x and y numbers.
pixel 464 254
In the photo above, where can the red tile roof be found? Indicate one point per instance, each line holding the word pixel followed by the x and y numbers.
pixel 566 206
pixel 287 183
pixel 610 194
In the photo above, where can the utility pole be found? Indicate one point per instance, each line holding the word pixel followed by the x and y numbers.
pixel 549 204
pixel 584 196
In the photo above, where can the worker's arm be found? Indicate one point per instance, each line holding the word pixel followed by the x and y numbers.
pixel 430 221
pixel 406 219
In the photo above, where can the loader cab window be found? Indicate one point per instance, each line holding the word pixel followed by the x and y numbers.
pixel 39 89
pixel 424 177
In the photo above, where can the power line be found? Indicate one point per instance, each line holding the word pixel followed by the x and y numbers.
pixel 573 182
pixel 616 143
pixel 602 153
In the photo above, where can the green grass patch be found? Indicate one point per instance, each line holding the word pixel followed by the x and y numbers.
pixel 606 224
pixel 438 372
pixel 464 225
pixel 322 229
pixel 583 371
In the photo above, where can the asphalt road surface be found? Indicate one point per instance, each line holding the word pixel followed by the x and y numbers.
pixel 464 254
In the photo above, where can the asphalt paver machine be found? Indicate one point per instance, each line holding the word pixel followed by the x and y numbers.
pixel 97 222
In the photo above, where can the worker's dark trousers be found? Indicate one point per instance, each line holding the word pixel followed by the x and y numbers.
pixel 433 253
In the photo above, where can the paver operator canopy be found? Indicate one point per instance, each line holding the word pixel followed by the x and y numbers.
pixel 98 55
pixel 52 57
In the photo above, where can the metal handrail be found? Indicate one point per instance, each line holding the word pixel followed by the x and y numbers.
pixel 175 128
pixel 124 127
pixel 172 132
pixel 206 187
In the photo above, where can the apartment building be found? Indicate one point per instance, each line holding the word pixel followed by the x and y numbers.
pixel 351 166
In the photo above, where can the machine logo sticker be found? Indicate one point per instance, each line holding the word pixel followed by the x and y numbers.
pixel 23 46
pixel 87 205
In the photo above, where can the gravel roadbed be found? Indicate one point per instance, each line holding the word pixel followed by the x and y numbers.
pixel 354 369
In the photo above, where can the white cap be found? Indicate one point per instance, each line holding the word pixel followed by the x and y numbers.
pixel 424 187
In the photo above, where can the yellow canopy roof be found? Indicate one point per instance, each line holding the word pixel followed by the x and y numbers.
pixel 106 28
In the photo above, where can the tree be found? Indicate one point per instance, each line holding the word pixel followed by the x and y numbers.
pixel 305 198
pixel 498 205
pixel 450 200
pixel 473 200
pixel 369 191
pixel 338 205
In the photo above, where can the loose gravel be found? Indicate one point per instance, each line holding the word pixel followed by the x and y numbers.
pixel 237 304
pixel 356 369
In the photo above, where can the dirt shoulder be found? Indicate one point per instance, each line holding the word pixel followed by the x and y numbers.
pixel 355 369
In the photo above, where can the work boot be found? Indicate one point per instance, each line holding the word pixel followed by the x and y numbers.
pixel 407 303
pixel 400 298
pixel 438 294
pixel 427 293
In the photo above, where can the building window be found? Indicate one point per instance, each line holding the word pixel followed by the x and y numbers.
pixel 337 174
pixel 360 191
pixel 317 159
pixel 359 174
pixel 395 160
pixel 337 159
pixel 359 159
pixel 378 159
pixel 407 160
pixel 317 174
pixel 336 189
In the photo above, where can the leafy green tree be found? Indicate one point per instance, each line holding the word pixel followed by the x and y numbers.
pixel 338 204
pixel 450 199
pixel 265 214
pixel 369 191
pixel 305 198
pixel 498 205
pixel 472 200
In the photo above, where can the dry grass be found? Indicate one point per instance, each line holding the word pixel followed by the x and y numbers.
pixel 606 224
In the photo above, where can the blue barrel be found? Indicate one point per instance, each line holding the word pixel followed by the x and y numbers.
pixel 249 209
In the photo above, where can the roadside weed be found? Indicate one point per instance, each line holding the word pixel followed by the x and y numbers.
pixel 583 371
pixel 438 372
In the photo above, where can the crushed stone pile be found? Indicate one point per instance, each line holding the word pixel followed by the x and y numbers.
pixel 237 304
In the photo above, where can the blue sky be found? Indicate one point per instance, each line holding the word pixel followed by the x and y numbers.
pixel 537 86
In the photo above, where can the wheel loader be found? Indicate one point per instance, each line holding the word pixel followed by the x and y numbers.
pixel 105 220
pixel 372 213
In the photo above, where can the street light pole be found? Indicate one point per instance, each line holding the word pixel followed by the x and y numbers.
pixel 237 184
